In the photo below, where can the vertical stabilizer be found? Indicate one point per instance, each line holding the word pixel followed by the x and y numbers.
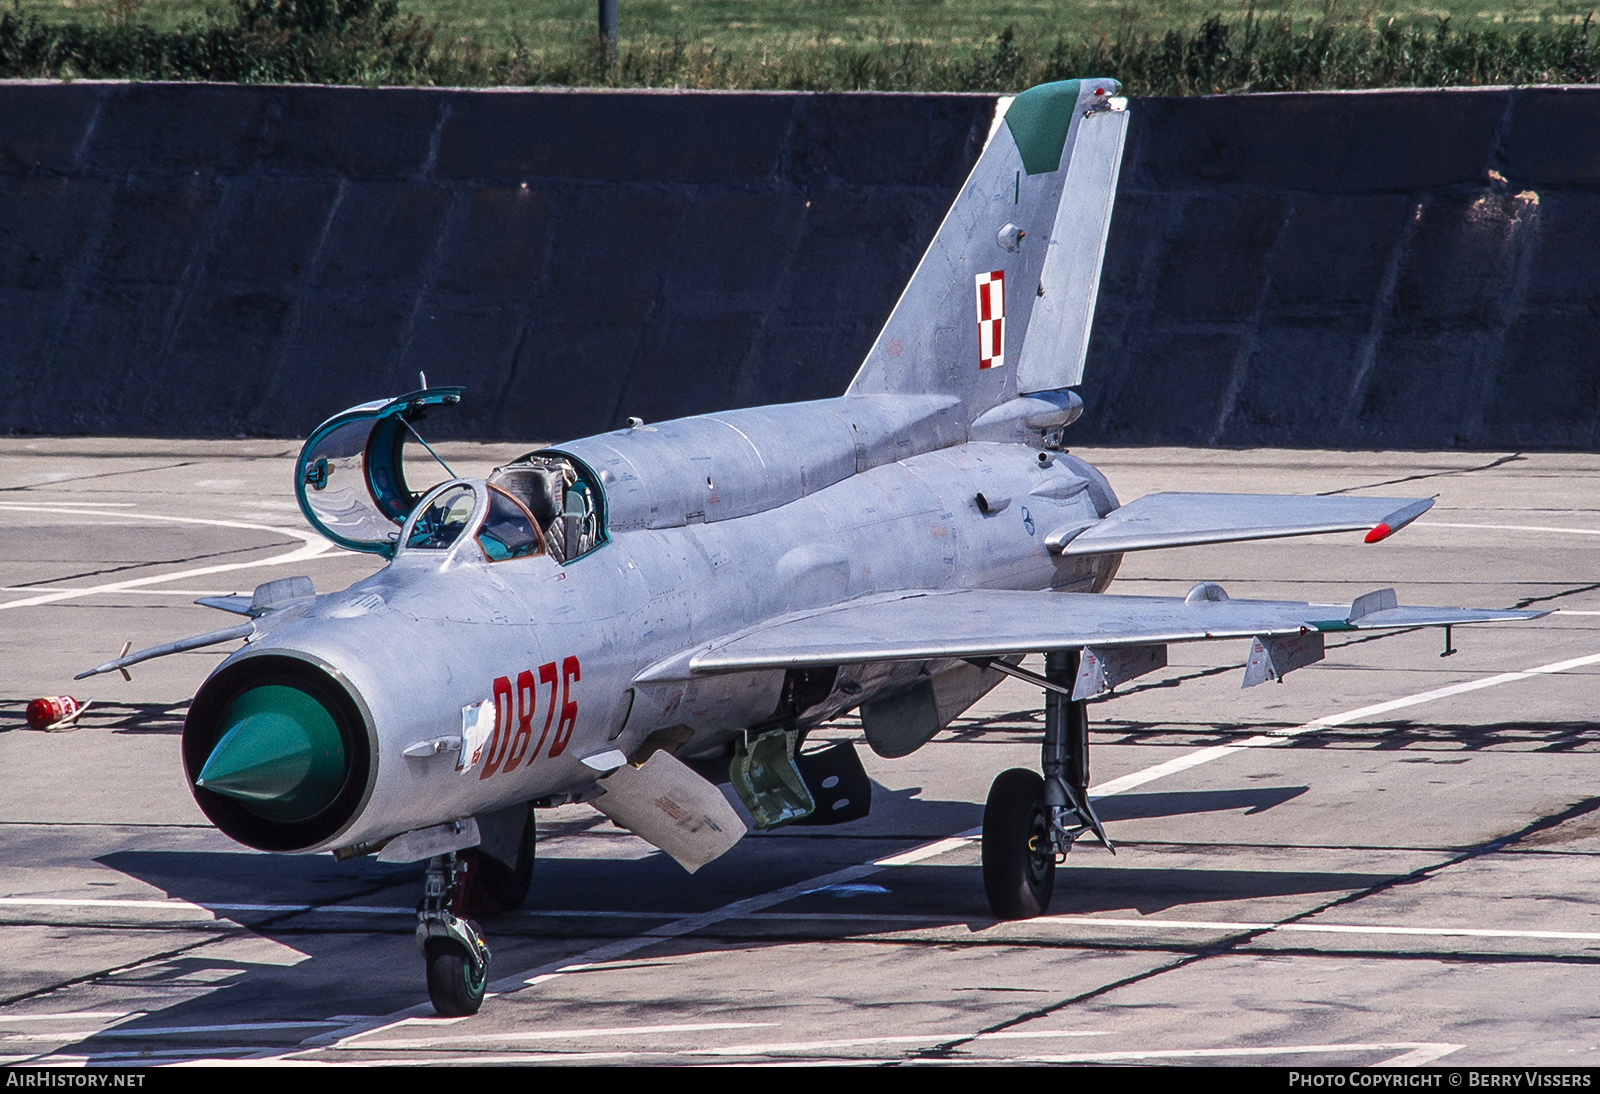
pixel 1002 302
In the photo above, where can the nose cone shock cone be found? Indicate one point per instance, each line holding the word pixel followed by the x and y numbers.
pixel 279 754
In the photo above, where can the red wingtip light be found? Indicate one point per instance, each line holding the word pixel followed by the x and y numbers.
pixel 1382 531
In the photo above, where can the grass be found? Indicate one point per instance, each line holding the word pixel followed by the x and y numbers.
pixel 1176 47
pixel 742 27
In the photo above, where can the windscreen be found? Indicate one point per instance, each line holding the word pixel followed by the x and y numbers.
pixel 445 518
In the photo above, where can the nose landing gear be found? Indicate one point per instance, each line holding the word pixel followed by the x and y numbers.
pixel 1029 822
pixel 456 955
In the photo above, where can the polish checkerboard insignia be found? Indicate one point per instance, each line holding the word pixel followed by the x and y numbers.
pixel 991 318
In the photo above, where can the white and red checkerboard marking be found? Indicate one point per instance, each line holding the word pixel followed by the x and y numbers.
pixel 991 319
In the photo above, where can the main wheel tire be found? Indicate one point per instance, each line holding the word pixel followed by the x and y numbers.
pixel 1019 866
pixel 489 885
pixel 452 987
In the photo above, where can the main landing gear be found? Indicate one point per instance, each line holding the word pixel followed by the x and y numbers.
pixel 1029 822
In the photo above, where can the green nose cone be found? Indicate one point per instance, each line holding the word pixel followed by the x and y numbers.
pixel 280 754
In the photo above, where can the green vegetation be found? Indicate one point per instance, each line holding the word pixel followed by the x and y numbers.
pixel 942 45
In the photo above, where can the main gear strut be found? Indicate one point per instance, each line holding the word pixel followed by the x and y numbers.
pixel 1065 756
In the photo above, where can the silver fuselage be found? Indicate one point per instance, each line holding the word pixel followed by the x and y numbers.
pixel 433 631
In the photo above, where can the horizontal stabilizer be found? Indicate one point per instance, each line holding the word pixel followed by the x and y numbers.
pixel 917 626
pixel 1185 520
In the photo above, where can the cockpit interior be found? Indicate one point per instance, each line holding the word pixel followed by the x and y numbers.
pixel 565 505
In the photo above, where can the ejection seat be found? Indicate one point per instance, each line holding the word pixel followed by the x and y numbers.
pixel 560 500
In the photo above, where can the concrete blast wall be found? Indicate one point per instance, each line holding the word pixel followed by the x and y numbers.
pixel 1401 269
pixel 1409 269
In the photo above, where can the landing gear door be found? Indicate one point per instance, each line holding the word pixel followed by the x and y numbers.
pixel 350 479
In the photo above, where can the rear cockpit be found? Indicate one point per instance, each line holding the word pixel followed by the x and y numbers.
pixel 564 498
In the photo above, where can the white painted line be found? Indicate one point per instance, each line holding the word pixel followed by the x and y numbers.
pixel 1507 527
pixel 165 1031
pixel 1313 928
pixel 69 1016
pixel 1415 1052
pixel 741 908
pixel 129 592
pixel 1439 932
pixel 1422 1054
pixel 1574 611
pixel 477 1060
pixel 312 546
pixel 113 904
pixel 1412 1053
pixel 929 850
pixel 1217 752
pixel 443 1044
pixel 366 1045
pixel 91 902
pixel 226 1027
pixel 914 1039
pixel 58 1059
pixel 209 910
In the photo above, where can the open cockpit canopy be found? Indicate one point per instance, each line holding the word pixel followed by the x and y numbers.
pixel 351 484
pixel 350 479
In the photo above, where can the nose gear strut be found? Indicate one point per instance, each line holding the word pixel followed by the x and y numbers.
pixel 456 954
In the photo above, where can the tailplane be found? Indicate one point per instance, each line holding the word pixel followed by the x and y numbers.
pixel 1002 303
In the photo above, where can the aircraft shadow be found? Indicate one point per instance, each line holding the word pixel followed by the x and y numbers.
pixel 1177 803
pixel 905 814
pixel 364 964
pixel 1081 889
pixel 245 877
pixel 638 879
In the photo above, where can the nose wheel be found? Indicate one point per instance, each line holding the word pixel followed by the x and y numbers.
pixel 456 955
pixel 455 981
pixel 1019 857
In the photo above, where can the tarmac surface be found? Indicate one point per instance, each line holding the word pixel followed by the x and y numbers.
pixel 1391 858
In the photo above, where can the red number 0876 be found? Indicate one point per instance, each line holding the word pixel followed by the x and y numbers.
pixel 513 717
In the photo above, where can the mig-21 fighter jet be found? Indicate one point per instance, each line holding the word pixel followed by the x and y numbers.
pixel 632 618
